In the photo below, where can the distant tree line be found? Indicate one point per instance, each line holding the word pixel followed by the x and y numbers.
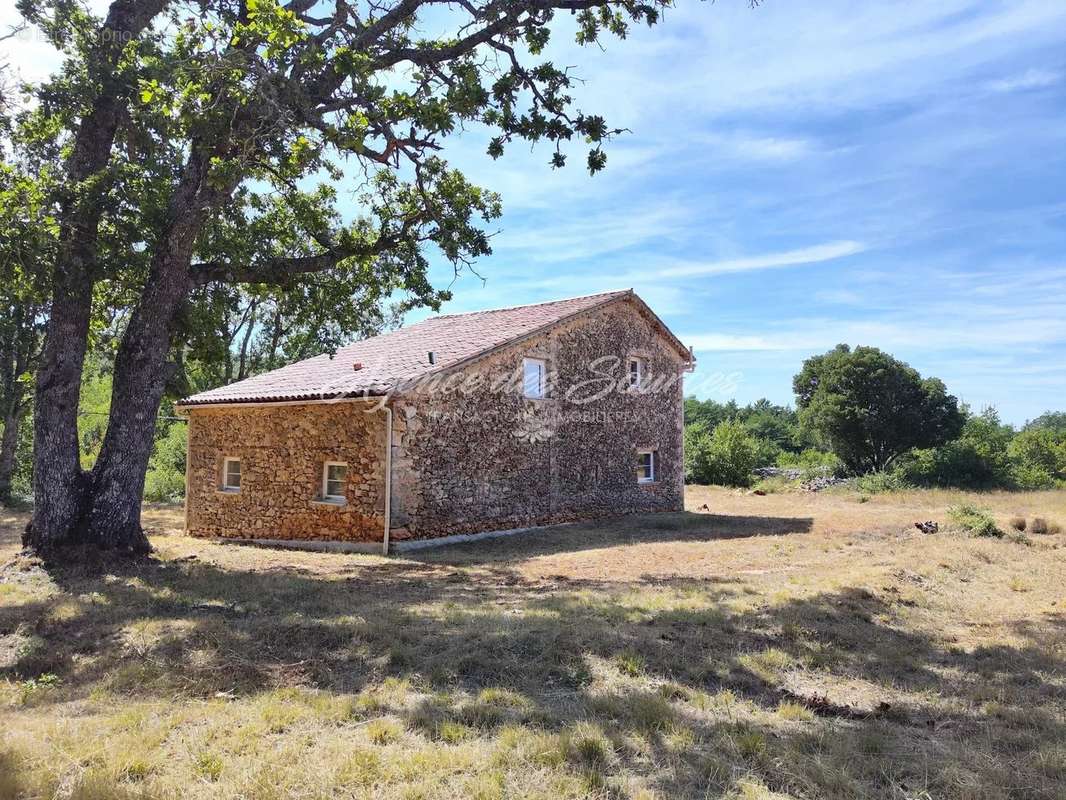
pixel 861 412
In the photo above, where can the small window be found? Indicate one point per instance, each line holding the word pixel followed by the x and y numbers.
pixel 533 377
pixel 334 481
pixel 646 466
pixel 231 475
pixel 636 372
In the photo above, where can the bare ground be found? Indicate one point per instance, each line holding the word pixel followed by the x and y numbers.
pixel 788 645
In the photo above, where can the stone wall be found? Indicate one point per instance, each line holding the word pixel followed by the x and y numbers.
pixel 282 451
pixel 467 461
pixel 464 459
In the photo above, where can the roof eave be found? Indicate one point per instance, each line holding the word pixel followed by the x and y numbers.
pixel 283 400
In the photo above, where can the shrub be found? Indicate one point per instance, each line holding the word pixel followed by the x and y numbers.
pixel 1040 449
pixel 162 486
pixel 766 452
pixel 165 481
pixel 810 460
pixel 974 520
pixel 879 482
pixel 978 459
pixel 1031 477
pixel 725 456
pixel 697 448
pixel 774 484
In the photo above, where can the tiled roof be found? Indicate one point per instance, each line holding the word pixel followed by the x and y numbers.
pixel 403 355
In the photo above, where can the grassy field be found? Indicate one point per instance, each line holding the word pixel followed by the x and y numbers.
pixel 788 645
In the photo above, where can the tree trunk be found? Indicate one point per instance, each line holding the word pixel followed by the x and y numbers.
pixel 60 487
pixel 243 372
pixel 9 447
pixel 141 366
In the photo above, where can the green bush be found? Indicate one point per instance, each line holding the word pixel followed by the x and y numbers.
pixel 725 456
pixel 974 520
pixel 978 459
pixel 165 481
pixel 1031 477
pixel 879 482
pixel 1038 456
pixel 766 452
pixel 164 486
pixel 809 459
pixel 775 484
pixel 697 447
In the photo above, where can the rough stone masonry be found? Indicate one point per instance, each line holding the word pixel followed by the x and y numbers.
pixel 470 453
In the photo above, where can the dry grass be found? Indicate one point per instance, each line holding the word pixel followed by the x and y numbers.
pixel 788 645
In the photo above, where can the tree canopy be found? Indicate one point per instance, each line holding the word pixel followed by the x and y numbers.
pixel 204 147
pixel 870 408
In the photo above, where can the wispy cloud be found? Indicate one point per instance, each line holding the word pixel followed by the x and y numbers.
pixel 788 258
pixel 771 148
pixel 922 328
pixel 841 297
pixel 744 145
pixel 1030 79
pixel 874 173
pixel 590 233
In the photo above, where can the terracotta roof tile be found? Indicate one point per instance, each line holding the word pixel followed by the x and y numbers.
pixel 402 355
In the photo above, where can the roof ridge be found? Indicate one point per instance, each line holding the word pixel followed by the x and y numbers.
pixel 529 305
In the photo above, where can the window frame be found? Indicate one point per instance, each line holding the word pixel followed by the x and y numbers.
pixel 652 467
pixel 224 484
pixel 630 383
pixel 339 499
pixel 542 383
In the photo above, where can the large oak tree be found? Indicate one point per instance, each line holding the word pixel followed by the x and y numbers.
pixel 189 134
pixel 870 408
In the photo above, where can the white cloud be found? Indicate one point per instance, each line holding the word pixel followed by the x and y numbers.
pixel 703 342
pixel 924 328
pixel 588 233
pixel 841 297
pixel 788 258
pixel 771 148
pixel 742 145
pixel 1030 79
pixel 708 61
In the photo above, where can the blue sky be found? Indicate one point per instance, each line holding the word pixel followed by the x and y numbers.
pixel 803 174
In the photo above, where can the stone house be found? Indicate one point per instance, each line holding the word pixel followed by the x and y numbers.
pixel 462 423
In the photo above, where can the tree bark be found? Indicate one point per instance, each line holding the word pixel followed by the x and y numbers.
pixel 250 321
pixel 114 518
pixel 60 487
